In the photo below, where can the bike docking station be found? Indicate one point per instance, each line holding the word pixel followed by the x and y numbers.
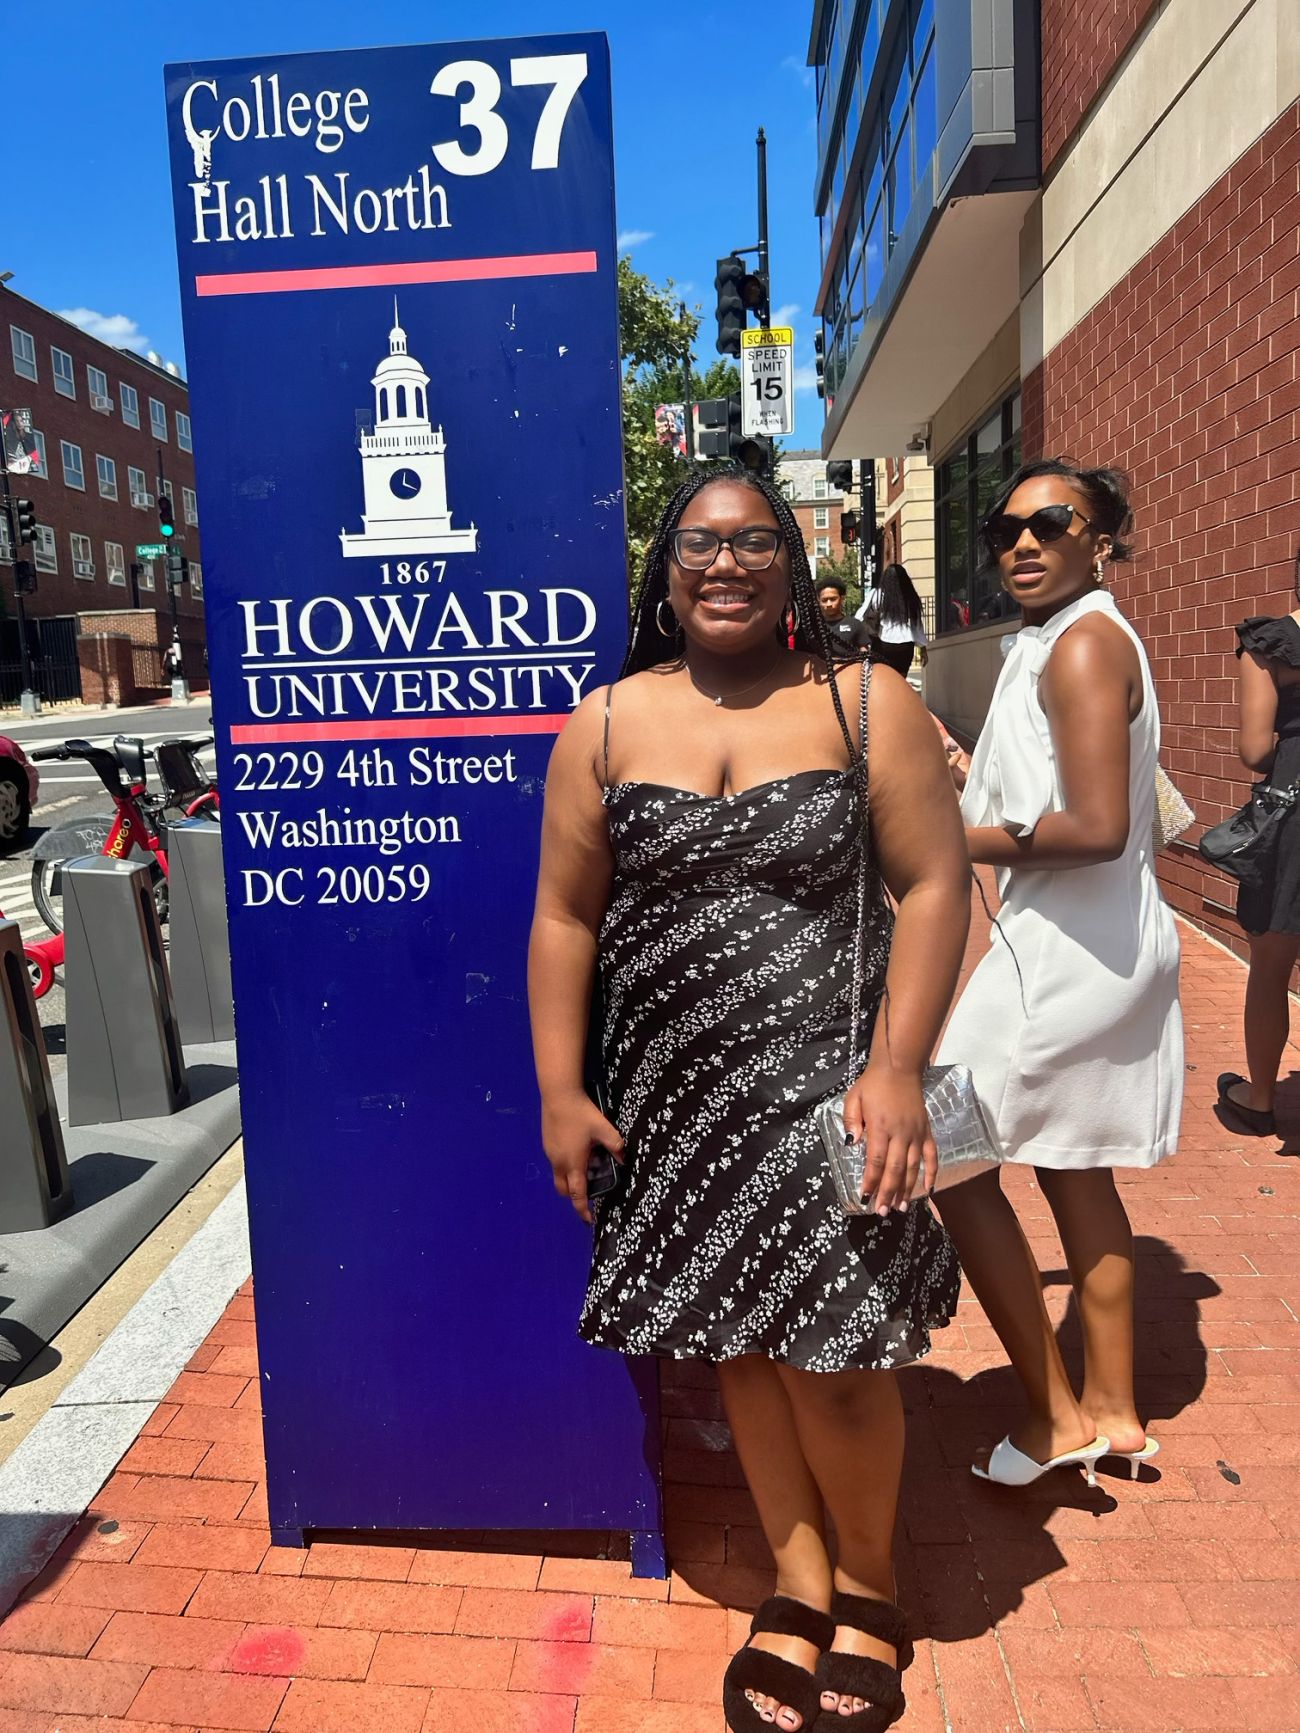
pixel 34 1186
pixel 124 1046
pixel 398 277
pixel 200 945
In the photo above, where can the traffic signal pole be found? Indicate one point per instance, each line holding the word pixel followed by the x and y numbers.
pixel 764 269
pixel 686 385
pixel 179 684
pixel 29 702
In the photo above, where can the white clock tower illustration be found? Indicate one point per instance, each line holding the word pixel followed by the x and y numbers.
pixel 403 467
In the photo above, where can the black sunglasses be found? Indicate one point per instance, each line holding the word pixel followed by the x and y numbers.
pixel 753 549
pixel 1002 530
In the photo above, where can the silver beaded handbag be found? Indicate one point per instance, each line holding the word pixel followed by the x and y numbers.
pixel 963 1138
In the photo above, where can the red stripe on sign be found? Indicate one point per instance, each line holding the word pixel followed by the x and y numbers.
pixel 374 276
pixel 285 733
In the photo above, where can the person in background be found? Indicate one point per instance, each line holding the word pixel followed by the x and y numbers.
pixel 892 613
pixel 1268 742
pixel 1071 1023
pixel 842 626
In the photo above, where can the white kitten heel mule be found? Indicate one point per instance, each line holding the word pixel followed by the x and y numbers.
pixel 1011 1467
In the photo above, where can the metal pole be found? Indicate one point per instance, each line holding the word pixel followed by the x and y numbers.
pixel 686 384
pixel 28 703
pixel 763 266
pixel 178 667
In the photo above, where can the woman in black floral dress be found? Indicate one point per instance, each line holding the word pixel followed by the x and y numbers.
pixel 705 822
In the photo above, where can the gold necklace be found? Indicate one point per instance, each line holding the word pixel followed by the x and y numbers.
pixel 718 697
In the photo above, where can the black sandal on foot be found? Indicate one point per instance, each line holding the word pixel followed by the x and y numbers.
pixel 770 1675
pixel 876 1682
pixel 1253 1119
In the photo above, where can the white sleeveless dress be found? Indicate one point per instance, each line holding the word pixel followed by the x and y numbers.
pixel 1078 1054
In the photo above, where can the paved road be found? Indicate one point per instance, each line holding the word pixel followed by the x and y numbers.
pixel 73 791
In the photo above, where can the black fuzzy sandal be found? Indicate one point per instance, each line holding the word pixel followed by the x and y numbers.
pixel 772 1676
pixel 878 1684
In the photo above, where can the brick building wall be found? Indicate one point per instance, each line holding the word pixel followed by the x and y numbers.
pixel 1082 43
pixel 1187 375
pixel 69 510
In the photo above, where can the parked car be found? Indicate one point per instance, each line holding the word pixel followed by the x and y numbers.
pixel 19 782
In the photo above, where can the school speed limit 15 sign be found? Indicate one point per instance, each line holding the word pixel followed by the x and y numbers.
pixel 767 381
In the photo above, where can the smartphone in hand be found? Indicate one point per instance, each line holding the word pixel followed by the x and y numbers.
pixel 602 1173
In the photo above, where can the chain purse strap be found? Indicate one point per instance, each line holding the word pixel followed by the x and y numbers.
pixel 864 875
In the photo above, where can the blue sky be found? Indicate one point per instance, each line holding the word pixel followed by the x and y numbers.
pixel 691 85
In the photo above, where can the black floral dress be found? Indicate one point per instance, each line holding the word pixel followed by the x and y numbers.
pixel 1274 905
pixel 726 961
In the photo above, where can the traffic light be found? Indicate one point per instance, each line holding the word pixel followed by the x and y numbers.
pixel 739 291
pixel 849 528
pixel 713 440
pixel 24 578
pixel 166 521
pixel 819 354
pixel 722 435
pixel 178 568
pixel 840 474
pixel 26 521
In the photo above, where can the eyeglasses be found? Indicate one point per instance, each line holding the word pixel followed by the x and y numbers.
pixel 753 549
pixel 1048 524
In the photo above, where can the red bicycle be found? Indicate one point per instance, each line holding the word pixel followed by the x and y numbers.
pixel 138 826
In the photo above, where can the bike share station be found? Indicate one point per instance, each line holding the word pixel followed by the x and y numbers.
pixel 90 1163
pixel 398 272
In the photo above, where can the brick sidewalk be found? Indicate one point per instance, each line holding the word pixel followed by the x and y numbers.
pixel 1164 1605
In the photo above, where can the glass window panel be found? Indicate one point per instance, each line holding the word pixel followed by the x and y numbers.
pixel 989 436
pixel 871 36
pixel 875 254
pixel 898 89
pixel 900 185
pixel 922 27
pixel 65 382
pixel 874 180
pixel 925 115
pixel 130 405
pixel 24 352
pixel 1015 413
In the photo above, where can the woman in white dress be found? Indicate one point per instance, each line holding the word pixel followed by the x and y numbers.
pixel 1071 1023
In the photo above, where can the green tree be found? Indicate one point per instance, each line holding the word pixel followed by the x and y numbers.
pixel 653 337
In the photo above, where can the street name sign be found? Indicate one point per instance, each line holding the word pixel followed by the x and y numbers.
pixel 398 278
pixel 767 381
pixel 150 550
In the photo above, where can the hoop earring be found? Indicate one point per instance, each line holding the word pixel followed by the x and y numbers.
pixel 1099 570
pixel 792 615
pixel 667 631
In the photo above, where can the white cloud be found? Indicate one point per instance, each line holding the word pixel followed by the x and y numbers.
pixel 805 378
pixel 629 238
pixel 803 73
pixel 114 328
pixel 786 315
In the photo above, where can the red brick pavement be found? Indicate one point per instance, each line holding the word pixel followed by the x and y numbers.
pixel 1167 1604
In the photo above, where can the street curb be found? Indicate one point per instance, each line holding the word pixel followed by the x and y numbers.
pixel 125 1179
pixel 55 1472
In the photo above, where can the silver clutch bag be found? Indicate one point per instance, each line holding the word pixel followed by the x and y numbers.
pixel 962 1136
pixel 1172 813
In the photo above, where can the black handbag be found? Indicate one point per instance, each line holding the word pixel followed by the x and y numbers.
pixel 1245 845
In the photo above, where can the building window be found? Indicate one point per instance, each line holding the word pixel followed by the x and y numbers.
pixel 97 385
pixel 130 405
pixel 65 382
pixel 184 438
pixel 107 472
pixel 822 547
pixel 190 501
pixel 146 575
pixel 819 487
pixel 114 564
pixel 158 418
pixel 47 552
pixel 42 461
pixel 966 484
pixel 138 486
pixel 82 564
pixel 6 552
pixel 821 517
pixel 23 345
pixel 196 578
pixel 73 474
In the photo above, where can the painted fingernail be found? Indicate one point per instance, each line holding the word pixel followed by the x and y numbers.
pixel 848 1137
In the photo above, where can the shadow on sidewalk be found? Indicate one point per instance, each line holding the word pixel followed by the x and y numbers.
pixel 967 1553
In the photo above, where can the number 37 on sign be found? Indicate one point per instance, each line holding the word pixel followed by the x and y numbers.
pixel 767 380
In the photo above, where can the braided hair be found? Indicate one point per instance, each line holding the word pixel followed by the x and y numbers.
pixel 649 647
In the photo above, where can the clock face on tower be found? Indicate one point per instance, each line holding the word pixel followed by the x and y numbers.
pixel 405 483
